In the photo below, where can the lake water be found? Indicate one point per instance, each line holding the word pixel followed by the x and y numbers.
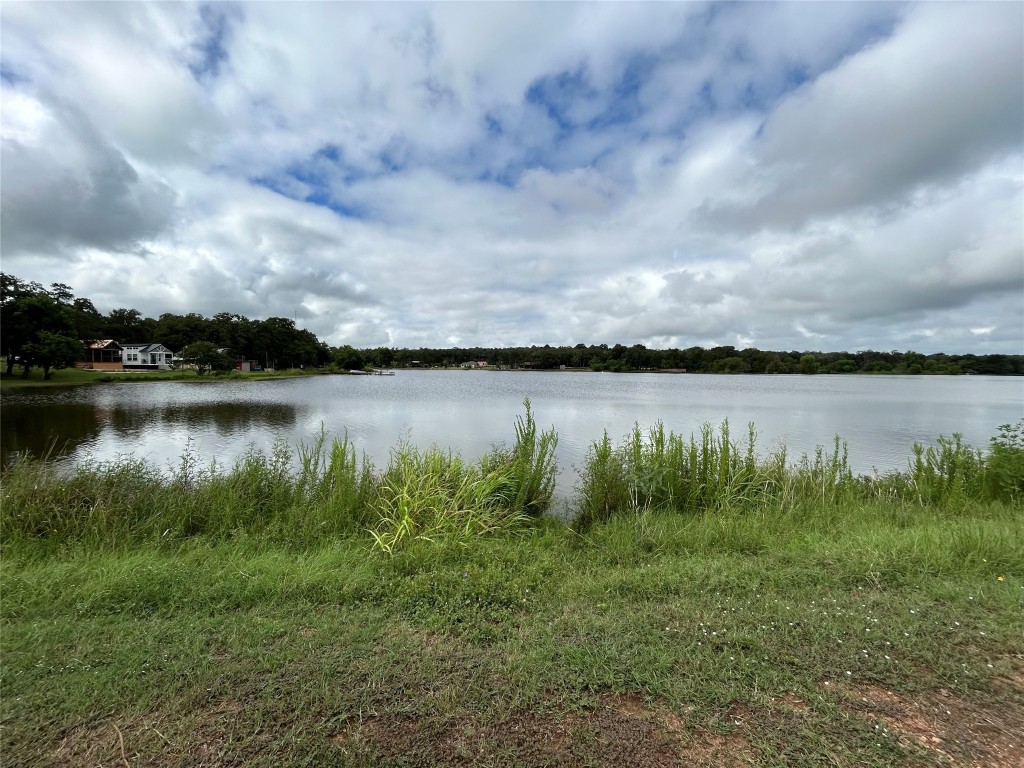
pixel 879 417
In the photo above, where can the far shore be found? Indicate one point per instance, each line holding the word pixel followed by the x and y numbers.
pixel 67 377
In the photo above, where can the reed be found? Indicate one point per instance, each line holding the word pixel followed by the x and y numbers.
pixel 660 470
pixel 434 494
pixel 322 491
pixel 315 491
pixel 530 463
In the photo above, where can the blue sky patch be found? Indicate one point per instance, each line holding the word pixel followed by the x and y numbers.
pixel 556 94
pixel 322 174
pixel 10 75
pixel 210 46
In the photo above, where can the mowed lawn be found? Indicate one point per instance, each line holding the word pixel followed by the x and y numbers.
pixel 851 635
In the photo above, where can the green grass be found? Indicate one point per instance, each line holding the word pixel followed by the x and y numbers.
pixel 58 378
pixel 247 616
pixel 661 470
pixel 76 376
pixel 247 651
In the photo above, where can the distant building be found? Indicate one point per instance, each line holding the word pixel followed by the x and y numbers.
pixel 101 355
pixel 146 357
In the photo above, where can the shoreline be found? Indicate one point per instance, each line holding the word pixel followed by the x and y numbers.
pixel 81 377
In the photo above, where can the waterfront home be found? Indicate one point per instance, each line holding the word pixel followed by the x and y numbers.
pixel 101 355
pixel 146 357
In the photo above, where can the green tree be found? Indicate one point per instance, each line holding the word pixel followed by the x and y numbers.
pixel 61 293
pixel 732 364
pixel 15 332
pixel 808 364
pixel 842 365
pixel 50 351
pixel 381 357
pixel 178 331
pixel 204 356
pixel 126 325
pixel 272 341
pixel 235 332
pixel 89 323
pixel 26 312
pixel 345 358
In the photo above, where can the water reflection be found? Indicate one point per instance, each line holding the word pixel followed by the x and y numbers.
pixel 37 427
pixel 880 417
pixel 55 430
pixel 227 419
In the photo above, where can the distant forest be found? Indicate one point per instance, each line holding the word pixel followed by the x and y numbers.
pixel 601 357
pixel 41 326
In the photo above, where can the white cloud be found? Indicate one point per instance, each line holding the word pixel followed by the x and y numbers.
pixel 933 102
pixel 834 175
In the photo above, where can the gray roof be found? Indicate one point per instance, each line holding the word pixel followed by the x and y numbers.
pixel 151 347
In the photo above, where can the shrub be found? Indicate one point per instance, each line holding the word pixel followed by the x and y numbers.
pixel 1005 465
pixel 434 494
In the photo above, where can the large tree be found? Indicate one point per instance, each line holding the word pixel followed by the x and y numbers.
pixel 14 331
pixel 37 328
pixel 128 325
pixel 50 351
pixel 205 356
pixel 178 331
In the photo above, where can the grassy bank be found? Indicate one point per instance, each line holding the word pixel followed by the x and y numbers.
pixel 252 618
pixel 75 376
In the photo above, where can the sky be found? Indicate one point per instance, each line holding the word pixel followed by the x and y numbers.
pixel 795 176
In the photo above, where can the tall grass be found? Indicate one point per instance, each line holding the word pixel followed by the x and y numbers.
pixel 322 490
pixel 529 463
pixel 1005 465
pixel 662 470
pixel 127 500
pixel 434 494
pixel 658 471
pixel 316 491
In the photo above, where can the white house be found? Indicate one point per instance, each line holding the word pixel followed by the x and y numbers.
pixel 152 357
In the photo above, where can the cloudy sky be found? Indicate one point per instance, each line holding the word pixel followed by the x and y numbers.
pixel 824 176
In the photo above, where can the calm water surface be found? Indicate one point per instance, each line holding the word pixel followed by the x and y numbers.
pixel 880 417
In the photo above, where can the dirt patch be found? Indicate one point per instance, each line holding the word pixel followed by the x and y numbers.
pixel 619 730
pixel 152 741
pixel 961 733
pixel 138 741
pixel 792 703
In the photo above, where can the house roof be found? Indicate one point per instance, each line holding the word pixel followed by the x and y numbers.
pixel 151 347
pixel 102 344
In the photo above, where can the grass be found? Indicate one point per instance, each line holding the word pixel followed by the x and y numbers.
pixel 75 376
pixel 665 471
pixel 793 616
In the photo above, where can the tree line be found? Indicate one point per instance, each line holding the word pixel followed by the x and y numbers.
pixel 45 327
pixel 725 359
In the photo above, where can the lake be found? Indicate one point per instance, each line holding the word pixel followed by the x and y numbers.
pixel 879 417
